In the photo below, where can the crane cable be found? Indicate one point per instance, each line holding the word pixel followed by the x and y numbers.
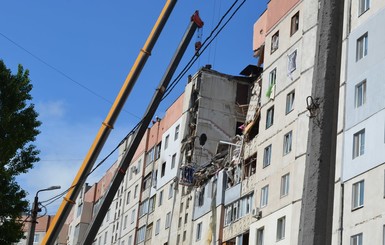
pixel 167 92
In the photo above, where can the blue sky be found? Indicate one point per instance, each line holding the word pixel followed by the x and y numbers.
pixel 94 44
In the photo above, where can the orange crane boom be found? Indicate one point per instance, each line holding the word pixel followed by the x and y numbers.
pixel 106 127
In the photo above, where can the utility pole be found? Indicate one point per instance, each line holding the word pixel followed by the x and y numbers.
pixel 318 192
pixel 35 210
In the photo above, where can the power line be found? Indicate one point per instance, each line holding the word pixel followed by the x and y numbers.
pixel 203 48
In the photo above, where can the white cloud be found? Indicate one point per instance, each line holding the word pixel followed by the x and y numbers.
pixel 63 147
pixel 51 109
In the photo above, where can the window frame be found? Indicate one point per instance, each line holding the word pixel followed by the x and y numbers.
pixel 360 94
pixel 358 144
pixel 267 153
pixel 354 241
pixel 290 97
pixel 199 232
pixel 288 142
pixel 270 117
pixel 281 228
pixel 363 6
pixel 285 185
pixel 264 196
pixel 274 42
pixel 362 47
pixel 358 195
pixel 294 24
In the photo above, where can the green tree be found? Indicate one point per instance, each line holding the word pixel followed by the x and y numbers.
pixel 18 130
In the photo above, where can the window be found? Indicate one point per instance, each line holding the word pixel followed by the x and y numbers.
pixel 125 222
pixel 270 93
pixel 157 227
pixel 363 6
pixel 260 232
pixel 143 208
pixel 287 142
pixel 274 42
pixel 129 240
pixel 151 204
pixel 267 156
pixel 176 135
pixel 269 117
pixel 290 101
pixel 168 220
pixel 147 181
pixel 285 180
pixel 136 191
pixel 128 197
pixel 292 62
pixel 264 196
pixel 360 94
pixel 358 194
pixel 238 209
pixel 157 150
pixel 133 216
pixel 166 141
pixel 184 235
pixel 170 190
pixel 105 237
pixel 79 210
pixel 185 218
pixel 36 238
pixel 359 143
pixel 294 24
pixel 199 231
pixel 150 156
pixel 362 47
pixel 163 170
pixel 160 198
pixel 141 234
pixel 173 160
pixel 201 196
pixel 281 228
pixel 356 239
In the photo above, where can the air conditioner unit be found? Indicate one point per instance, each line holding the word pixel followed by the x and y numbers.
pixel 256 213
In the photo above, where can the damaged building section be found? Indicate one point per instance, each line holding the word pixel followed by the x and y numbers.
pixel 217 112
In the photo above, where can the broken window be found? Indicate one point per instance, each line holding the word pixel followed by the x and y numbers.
pixel 274 42
pixel 242 94
pixel 163 170
pixel 294 24
pixel 250 166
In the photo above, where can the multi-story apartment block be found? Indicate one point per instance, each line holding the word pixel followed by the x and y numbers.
pixel 226 163
pixel 359 199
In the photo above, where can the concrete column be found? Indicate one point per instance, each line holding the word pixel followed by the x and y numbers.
pixel 318 192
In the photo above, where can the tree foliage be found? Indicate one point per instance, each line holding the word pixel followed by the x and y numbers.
pixel 18 130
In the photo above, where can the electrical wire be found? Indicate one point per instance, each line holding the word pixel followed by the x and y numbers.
pixel 168 90
pixel 61 72
pixel 212 35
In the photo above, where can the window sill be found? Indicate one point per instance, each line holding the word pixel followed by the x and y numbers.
pixel 356 208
